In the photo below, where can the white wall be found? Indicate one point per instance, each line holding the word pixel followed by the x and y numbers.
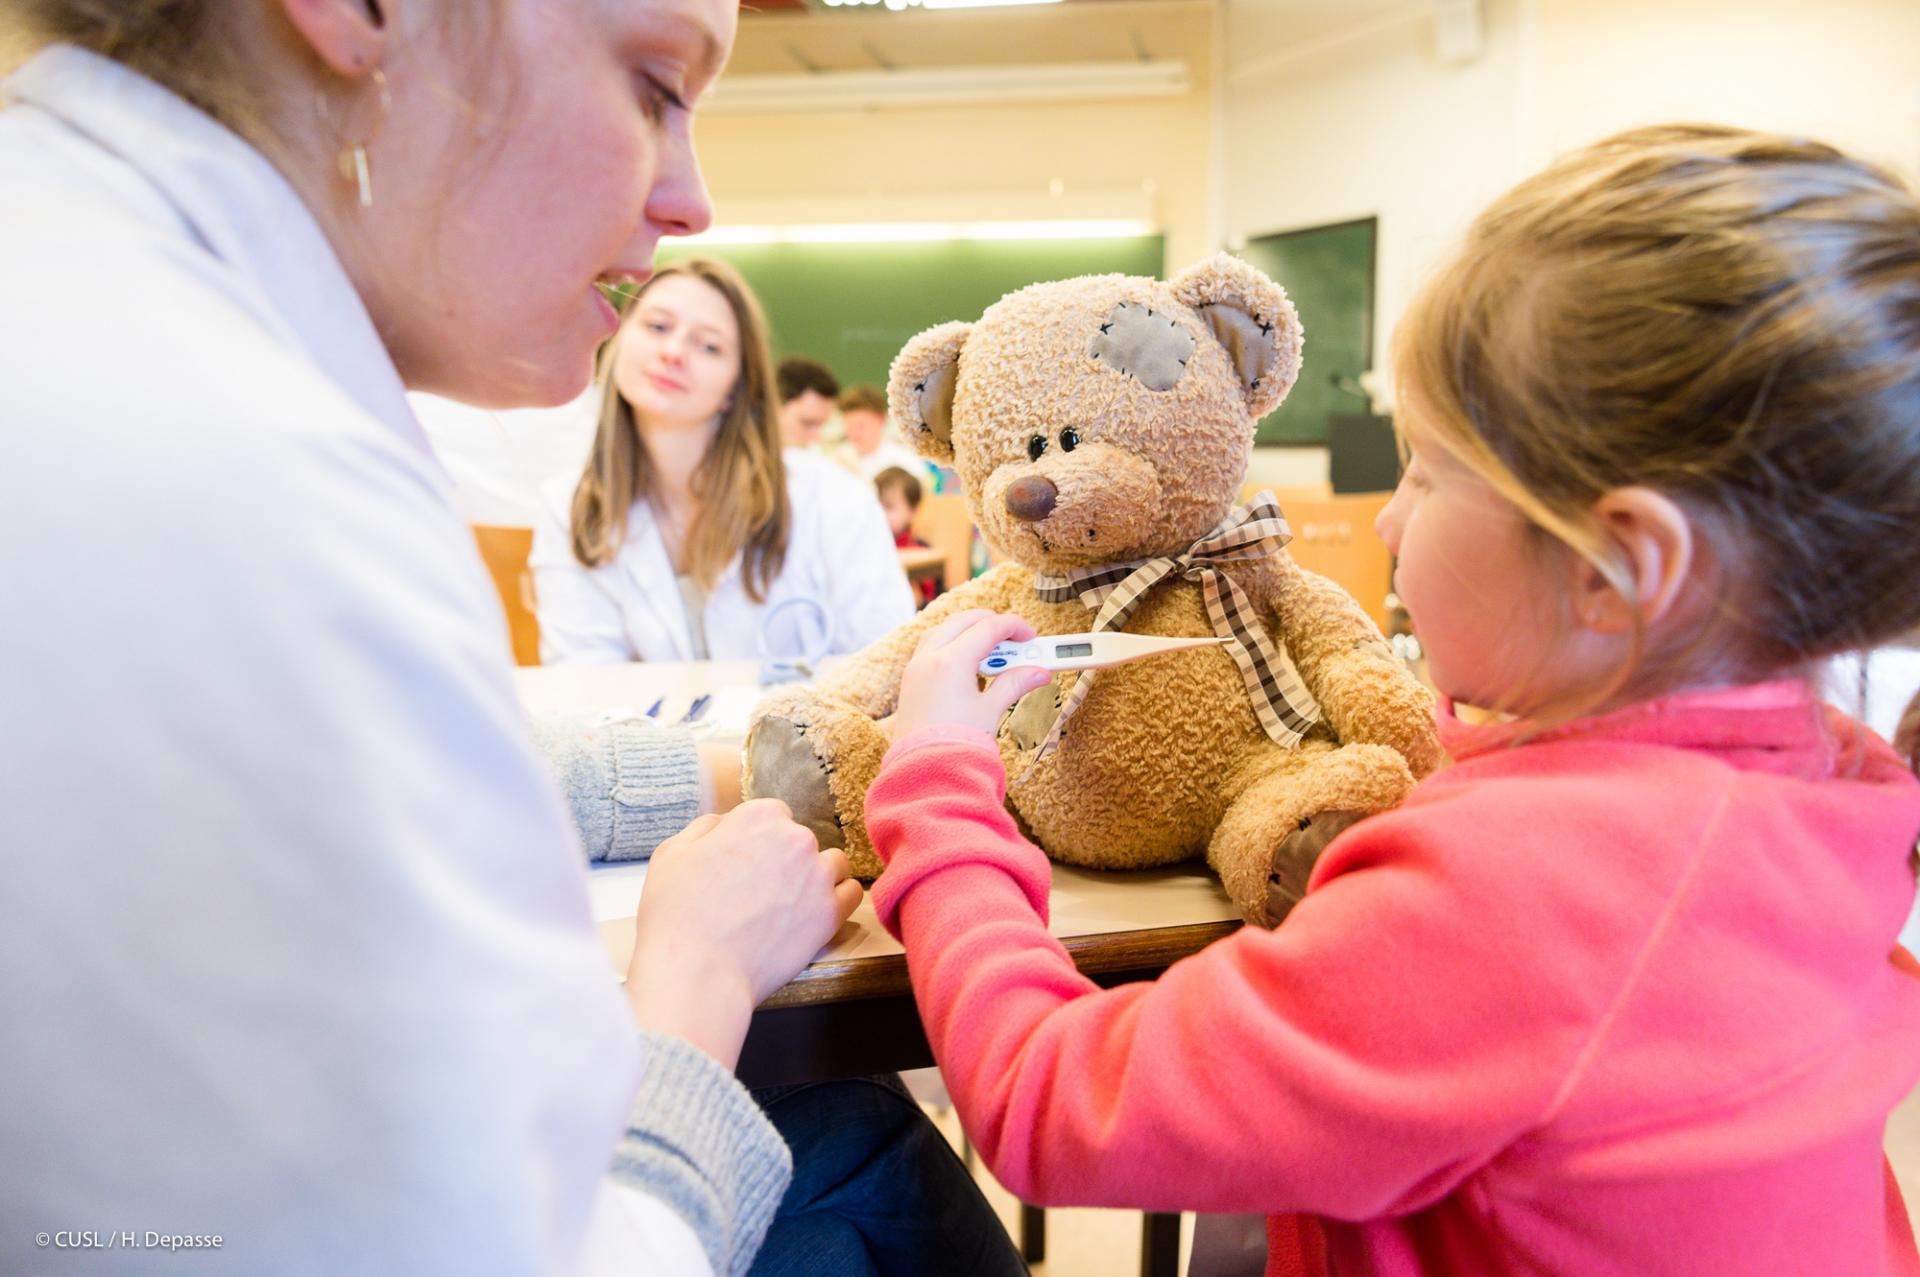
pixel 1370 122
pixel 1846 71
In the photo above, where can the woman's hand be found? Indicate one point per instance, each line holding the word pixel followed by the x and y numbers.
pixel 942 681
pixel 734 907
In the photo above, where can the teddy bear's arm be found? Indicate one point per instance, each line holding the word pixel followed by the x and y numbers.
pixel 1365 691
pixel 869 681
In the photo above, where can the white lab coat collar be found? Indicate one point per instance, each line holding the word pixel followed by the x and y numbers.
pixel 242 208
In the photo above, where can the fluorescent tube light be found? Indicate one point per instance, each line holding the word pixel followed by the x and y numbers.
pixel 926 232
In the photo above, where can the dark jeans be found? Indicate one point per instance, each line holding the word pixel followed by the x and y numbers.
pixel 876 1189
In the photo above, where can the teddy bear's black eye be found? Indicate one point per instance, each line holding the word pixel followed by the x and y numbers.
pixel 1036 446
pixel 1069 439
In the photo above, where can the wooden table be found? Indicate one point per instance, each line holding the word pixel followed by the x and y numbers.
pixel 851 1011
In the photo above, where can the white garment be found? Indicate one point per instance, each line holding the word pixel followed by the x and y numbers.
pixel 840 553
pixel 890 455
pixel 296 946
pixel 498 460
pixel 1875 687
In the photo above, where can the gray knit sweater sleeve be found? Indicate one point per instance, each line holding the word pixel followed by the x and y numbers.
pixel 629 783
pixel 697 1142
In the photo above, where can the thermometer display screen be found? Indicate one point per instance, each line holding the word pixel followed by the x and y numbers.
pixel 1062 651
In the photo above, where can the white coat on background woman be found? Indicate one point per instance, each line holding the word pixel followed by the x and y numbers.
pixel 691 536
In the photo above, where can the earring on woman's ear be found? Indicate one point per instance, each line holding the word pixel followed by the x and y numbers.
pixel 360 169
pixel 354 165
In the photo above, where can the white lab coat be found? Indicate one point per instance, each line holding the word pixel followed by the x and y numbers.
pixel 296 947
pixel 498 459
pixel 840 553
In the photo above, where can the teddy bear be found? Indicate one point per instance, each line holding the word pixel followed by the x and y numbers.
pixel 1101 428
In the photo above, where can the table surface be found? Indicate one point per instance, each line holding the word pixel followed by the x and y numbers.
pixel 1118 921
pixel 916 557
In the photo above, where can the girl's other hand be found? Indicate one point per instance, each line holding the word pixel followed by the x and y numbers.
pixel 942 681
pixel 734 907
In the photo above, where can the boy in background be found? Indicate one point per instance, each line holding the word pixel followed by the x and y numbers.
pixel 807 391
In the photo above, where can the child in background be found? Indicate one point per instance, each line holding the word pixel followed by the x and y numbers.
pixel 900 496
pixel 1617 991
pixel 870 448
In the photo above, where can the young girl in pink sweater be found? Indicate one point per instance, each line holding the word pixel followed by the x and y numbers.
pixel 1617 992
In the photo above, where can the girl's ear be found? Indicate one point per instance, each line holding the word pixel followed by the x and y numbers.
pixel 920 389
pixel 1251 317
pixel 1656 542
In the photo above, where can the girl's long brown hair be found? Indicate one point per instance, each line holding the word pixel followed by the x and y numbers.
pixel 741 485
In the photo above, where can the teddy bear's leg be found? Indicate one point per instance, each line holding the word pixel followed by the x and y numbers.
pixel 818 758
pixel 1276 827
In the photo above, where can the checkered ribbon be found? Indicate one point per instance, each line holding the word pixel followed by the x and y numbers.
pixel 1284 706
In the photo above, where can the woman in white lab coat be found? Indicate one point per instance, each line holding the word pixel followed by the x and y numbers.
pixel 297 960
pixel 691 536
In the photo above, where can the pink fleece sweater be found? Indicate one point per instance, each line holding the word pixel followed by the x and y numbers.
pixel 1622 999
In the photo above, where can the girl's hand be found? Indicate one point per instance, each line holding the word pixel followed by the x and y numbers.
pixel 719 777
pixel 942 681
pixel 734 907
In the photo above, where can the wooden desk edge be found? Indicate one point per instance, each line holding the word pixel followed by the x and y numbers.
pixel 885 975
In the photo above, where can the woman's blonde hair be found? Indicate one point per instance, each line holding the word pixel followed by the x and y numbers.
pixel 742 483
pixel 182 44
pixel 1729 318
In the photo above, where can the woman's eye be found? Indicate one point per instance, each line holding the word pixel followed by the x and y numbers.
pixel 1036 446
pixel 1069 439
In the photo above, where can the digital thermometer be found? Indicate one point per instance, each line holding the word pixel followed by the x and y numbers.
pixel 1084 651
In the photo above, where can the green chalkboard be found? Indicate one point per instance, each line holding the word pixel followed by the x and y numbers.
pixel 853 306
pixel 1328 272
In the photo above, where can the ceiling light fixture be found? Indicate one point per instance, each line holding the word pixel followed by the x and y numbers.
pixel 926 232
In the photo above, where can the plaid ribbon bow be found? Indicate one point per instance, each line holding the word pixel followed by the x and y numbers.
pixel 1284 706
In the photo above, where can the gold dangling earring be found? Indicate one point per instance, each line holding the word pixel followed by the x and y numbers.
pixel 353 159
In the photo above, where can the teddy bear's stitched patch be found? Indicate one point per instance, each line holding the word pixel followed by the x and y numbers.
pixel 1031 718
pixel 1153 349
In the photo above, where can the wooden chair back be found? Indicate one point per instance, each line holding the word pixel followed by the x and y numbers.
pixel 942 522
pixel 505 550
pixel 1334 536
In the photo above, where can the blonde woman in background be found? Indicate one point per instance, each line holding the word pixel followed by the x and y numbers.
pixel 297 961
pixel 691 536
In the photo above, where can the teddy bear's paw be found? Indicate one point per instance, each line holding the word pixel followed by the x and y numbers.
pixel 781 763
pixel 1294 858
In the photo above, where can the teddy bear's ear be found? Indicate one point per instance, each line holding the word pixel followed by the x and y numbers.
pixel 1251 317
pixel 920 389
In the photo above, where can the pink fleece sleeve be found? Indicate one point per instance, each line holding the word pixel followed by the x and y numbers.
pixel 1360 1060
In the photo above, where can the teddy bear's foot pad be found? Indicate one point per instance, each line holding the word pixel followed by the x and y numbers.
pixel 1294 858
pixel 782 763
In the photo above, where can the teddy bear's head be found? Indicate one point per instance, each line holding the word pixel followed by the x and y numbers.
pixel 1105 418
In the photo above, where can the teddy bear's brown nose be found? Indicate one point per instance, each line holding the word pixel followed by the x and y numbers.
pixel 1031 497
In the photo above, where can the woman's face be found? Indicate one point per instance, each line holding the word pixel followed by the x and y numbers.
pixel 679 355
pixel 503 196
